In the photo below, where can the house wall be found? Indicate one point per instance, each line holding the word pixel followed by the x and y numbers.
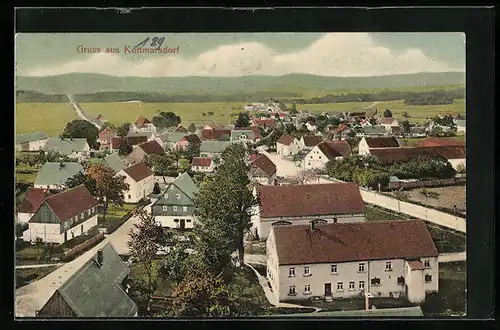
pixel 24 217
pixel 51 186
pixel 137 190
pixel 169 221
pixel 56 307
pixel 272 264
pixel 144 128
pixel 205 169
pixel 80 228
pixel 37 145
pixel 363 148
pixel 284 150
pixel 456 162
pixel 315 159
pixel 48 232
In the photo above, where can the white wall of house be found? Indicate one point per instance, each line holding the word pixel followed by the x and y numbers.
pixel 145 128
pixel 169 221
pixel 24 217
pixel 264 225
pixel 315 159
pixel 388 127
pixel 37 145
pixel 137 190
pixel 51 232
pixel 363 148
pixel 51 186
pixel 456 162
pixel 264 180
pixel 205 169
pixel 284 150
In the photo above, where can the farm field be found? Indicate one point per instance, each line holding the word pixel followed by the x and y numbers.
pixel 410 142
pixel 448 197
pixel 48 117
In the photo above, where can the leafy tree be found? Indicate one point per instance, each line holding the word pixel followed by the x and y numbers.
pixel 193 150
pixel 290 128
pixel 156 189
pixel 50 156
pixel 405 126
pixel 461 169
pixel 166 119
pixel 210 113
pixel 372 121
pixel 243 120
pixel 307 176
pixel 109 188
pixel 436 131
pixel 146 239
pixel 387 113
pixel 125 148
pixel 123 129
pixel 402 196
pixel 184 165
pixel 191 128
pixel 161 164
pixel 79 128
pixel 81 178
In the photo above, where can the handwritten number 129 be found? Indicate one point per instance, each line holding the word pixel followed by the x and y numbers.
pixel 155 42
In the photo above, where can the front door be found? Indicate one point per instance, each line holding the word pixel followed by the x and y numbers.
pixel 328 289
pixel 81 229
pixel 182 224
pixel 65 236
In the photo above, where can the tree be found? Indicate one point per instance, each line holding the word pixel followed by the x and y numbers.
pixel 290 128
pixel 146 239
pixel 193 150
pixel 184 165
pixel 123 129
pixel 405 127
pixel 81 178
pixel 402 195
pixel 50 156
pixel 427 194
pixel 79 128
pixel 387 113
pixel 224 138
pixel 307 176
pixel 161 164
pixel 125 148
pixel 156 189
pixel 243 120
pixel 294 109
pixel 461 169
pixel 191 128
pixel 109 188
pixel 166 119
pixel 372 121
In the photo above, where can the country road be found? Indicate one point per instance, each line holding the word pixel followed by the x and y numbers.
pixel 39 266
pixel 79 111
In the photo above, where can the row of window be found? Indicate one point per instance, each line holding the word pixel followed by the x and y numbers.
pixel 361 268
pixel 175 208
pixel 70 222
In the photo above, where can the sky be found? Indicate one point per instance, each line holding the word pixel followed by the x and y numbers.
pixel 240 54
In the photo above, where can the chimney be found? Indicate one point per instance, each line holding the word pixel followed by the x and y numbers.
pixel 99 257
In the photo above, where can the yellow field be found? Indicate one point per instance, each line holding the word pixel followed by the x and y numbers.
pixel 48 117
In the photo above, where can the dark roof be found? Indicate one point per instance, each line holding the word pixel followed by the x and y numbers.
pixel 286 139
pixel 94 290
pixel 265 164
pixel 214 134
pixel 71 202
pixel 201 161
pixel 268 122
pixel 138 171
pixel 344 242
pixel 306 200
pixel 382 142
pixel 416 265
pixel 389 155
pixel 133 140
pixel 193 139
pixel 312 140
pixel 33 199
pixel 435 142
pixel 141 121
pixel 332 149
pixel 152 148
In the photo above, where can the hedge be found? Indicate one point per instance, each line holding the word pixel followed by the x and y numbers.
pixel 88 244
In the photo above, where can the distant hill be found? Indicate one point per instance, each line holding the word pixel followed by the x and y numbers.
pixel 85 83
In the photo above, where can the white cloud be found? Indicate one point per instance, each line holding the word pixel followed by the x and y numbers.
pixel 334 54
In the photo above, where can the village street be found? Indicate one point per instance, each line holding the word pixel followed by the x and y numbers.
pixel 284 167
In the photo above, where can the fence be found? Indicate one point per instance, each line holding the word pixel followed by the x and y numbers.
pixel 84 246
pixel 417 211
pixel 426 183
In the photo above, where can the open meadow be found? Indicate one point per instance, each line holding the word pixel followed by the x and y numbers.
pixel 48 117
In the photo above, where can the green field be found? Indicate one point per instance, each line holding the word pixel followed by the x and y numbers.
pixel 48 117
pixel 410 142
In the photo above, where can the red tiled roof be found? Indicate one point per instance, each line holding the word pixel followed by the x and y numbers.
pixel 106 131
pixel 344 242
pixel 332 149
pixel 71 202
pixel 416 265
pixel 312 140
pixel 33 199
pixel 138 171
pixel 269 122
pixel 133 140
pixel 152 148
pixel 265 164
pixel 387 120
pixel 307 200
pixel 435 142
pixel 286 139
pixel 141 121
pixel 339 129
pixel 389 155
pixel 382 142
pixel 214 134
pixel 201 161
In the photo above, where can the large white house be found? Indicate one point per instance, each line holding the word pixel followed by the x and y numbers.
pixel 299 204
pixel 382 258
pixel 63 216
pixel 263 170
pixel 140 179
pixel 324 152
pixel 33 141
pixel 287 145
pixel 367 143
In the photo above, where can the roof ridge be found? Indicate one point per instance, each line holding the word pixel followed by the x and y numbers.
pixel 64 191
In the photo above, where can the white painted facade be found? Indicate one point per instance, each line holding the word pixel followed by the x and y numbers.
pixel 32 145
pixel 24 217
pixel 388 127
pixel 145 128
pixel 51 232
pixel 456 162
pixel 204 169
pixel 316 159
pixel 349 279
pixel 266 181
pixel 137 190
pixel 284 150
pixel 169 221
pixel 311 128
pixel 51 186
pixel 363 148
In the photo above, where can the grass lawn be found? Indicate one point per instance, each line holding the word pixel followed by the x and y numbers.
pixel 50 118
pixel 26 177
pixel 377 214
pixel 411 142
pixel 451 298
pixel 449 196
pixel 115 213
pixel 26 276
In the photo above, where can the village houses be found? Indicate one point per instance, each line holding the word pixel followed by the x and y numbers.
pixel 33 141
pixel 191 139
pixel 143 150
pixel 307 142
pixel 202 164
pixel 213 149
pixel 175 207
pixel 287 145
pixel 54 175
pixel 63 216
pixel 263 170
pixel 105 137
pixel 324 152
pixel 76 148
pixel 32 200
pixel 169 140
pixel 142 125
pixel 388 122
pixel 140 179
pixel 299 204
pixel 133 141
pixel 346 260
pixel 368 143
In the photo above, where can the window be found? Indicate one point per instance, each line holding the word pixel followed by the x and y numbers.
pixel 291 290
pixel 319 157
pixel 375 281
pixel 427 264
pixel 308 163
pixel 428 278
pixel 333 269
pixel 307 288
pixel 401 280
pixel 361 285
pixel 307 271
pixel 340 286
pixel 361 267
pixel 178 196
pixel 188 220
pixel 165 208
pixel 185 208
pixel 175 208
pixel 291 272
pixel 176 220
pixel 129 197
pixel 81 216
pixel 351 286
pixel 166 195
pixel 388 266
pixel 334 220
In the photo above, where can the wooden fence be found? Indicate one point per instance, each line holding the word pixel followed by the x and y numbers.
pixel 426 183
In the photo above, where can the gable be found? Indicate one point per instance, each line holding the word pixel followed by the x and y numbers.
pixel 169 197
pixel 44 214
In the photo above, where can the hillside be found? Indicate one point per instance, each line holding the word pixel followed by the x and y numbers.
pixel 294 85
